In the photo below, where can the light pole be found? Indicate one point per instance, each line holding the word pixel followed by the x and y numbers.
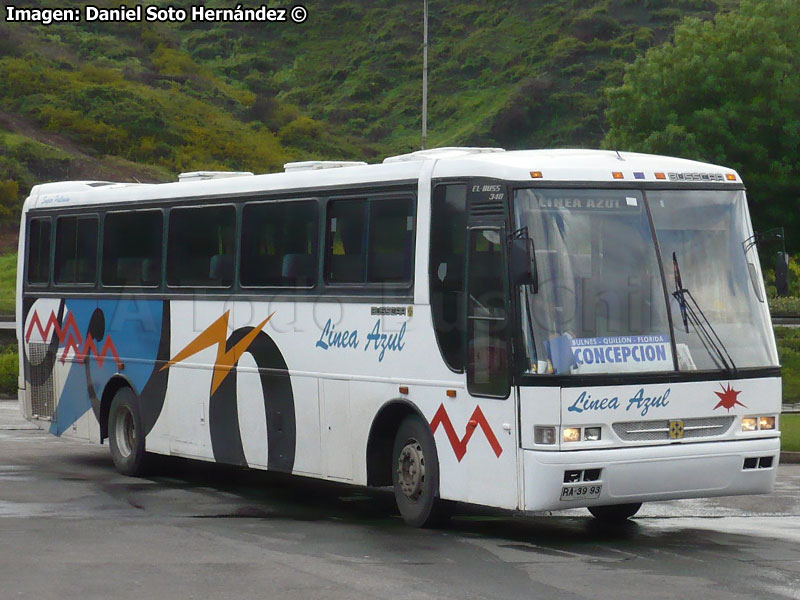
pixel 425 77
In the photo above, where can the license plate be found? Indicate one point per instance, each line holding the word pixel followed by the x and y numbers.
pixel 581 492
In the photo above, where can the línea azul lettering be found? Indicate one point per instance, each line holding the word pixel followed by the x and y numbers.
pixel 586 402
pixel 645 403
pixel 385 341
pixel 330 338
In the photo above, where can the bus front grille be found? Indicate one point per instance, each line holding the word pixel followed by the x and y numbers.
pixel 43 395
pixel 651 431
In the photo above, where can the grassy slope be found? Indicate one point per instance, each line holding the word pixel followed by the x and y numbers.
pixel 8 282
pixel 344 84
pixel 790 432
pixel 512 72
pixel 789 353
pixel 128 95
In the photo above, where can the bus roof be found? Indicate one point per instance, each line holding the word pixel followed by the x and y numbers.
pixel 601 166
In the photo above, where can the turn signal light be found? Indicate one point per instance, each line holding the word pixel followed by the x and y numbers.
pixel 592 434
pixel 544 435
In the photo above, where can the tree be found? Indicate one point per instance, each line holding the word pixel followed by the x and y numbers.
pixel 9 200
pixel 725 92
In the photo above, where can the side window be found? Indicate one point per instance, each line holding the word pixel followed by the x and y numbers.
pixel 76 250
pixel 200 247
pixel 39 252
pixel 391 239
pixel 370 241
pixel 346 246
pixel 279 244
pixel 132 248
pixel 446 276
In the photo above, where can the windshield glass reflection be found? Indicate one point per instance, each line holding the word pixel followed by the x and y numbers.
pixel 705 231
pixel 601 305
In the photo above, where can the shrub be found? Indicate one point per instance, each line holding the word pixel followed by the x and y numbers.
pixel 9 370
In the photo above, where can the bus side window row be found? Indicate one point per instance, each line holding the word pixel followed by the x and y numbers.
pixel 279 245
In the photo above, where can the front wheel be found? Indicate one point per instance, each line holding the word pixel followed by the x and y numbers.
pixel 126 434
pixel 614 513
pixel 415 474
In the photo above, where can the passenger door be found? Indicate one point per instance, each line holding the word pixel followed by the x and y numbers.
pixel 480 428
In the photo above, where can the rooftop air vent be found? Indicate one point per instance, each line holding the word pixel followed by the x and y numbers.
pixel 315 165
pixel 440 153
pixel 204 175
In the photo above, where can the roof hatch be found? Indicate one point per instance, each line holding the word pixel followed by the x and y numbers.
pixel 315 165
pixel 448 152
pixel 204 175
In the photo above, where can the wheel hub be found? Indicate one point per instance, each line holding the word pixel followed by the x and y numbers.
pixel 125 432
pixel 411 469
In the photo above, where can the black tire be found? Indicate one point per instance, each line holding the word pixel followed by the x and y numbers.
pixel 126 434
pixel 416 490
pixel 614 513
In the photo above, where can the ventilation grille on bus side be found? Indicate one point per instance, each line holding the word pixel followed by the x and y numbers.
pixel 487 208
pixel 43 395
pixel 640 431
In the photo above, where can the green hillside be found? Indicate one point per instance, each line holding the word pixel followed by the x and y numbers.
pixel 511 72
pixel 143 101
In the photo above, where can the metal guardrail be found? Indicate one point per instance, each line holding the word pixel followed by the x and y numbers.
pixel 786 321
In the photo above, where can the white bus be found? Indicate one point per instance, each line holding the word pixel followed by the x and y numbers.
pixel 528 330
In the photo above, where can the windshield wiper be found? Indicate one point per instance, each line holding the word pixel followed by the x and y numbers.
pixel 692 313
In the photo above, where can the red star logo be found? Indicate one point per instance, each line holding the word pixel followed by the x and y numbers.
pixel 728 398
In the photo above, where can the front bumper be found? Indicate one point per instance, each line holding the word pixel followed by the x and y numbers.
pixel 652 473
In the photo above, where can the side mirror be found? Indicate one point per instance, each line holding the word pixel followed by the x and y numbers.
pixel 782 273
pixel 522 261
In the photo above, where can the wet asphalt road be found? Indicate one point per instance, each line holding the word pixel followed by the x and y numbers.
pixel 71 527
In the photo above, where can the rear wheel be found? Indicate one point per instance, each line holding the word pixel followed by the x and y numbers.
pixel 415 474
pixel 125 434
pixel 614 513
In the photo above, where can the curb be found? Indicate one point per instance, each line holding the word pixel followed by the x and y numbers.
pixel 790 458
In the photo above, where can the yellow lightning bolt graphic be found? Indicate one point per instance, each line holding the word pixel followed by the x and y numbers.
pixel 217 333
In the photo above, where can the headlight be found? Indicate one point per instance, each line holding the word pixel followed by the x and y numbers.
pixel 572 434
pixel 766 423
pixel 749 424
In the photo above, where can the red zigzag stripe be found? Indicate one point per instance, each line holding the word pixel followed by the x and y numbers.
pixel 52 323
pixel 460 445
pixel 68 334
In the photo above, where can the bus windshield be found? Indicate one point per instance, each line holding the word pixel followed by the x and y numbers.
pixel 601 306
